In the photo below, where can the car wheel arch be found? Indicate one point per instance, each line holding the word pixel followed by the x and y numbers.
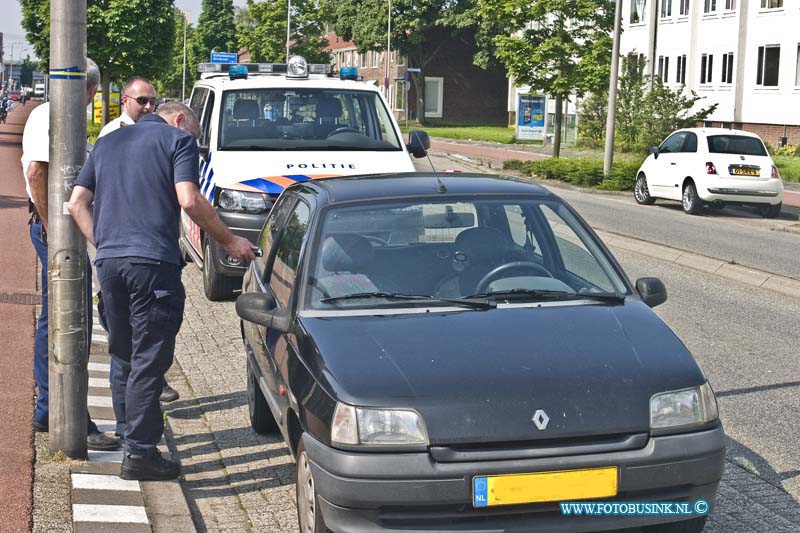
pixel 295 431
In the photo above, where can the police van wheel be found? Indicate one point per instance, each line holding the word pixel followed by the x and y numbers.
pixel 217 286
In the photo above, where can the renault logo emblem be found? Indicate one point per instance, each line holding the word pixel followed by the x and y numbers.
pixel 540 419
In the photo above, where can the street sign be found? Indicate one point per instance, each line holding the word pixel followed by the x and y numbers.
pixel 224 57
pixel 413 69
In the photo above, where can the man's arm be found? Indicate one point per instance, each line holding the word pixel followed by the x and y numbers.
pixel 80 207
pixel 37 178
pixel 205 216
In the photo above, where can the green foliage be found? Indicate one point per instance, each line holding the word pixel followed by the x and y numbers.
pixel 124 37
pixel 584 172
pixel 495 134
pixel 593 113
pixel 790 150
pixel 789 167
pixel 169 83
pixel 261 28
pixel 646 117
pixel 26 72
pixel 215 30
pixel 92 131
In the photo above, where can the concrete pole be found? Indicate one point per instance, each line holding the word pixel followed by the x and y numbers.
pixel 183 80
pixel 611 117
pixel 68 342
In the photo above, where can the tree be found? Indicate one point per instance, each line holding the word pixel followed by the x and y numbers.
pixel 558 47
pixel 215 28
pixel 366 23
pixel 124 37
pixel 170 82
pixel 263 31
pixel 26 72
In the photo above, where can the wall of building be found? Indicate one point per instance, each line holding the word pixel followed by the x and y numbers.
pixel 737 27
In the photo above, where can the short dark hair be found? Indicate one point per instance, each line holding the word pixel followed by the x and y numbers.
pixel 133 80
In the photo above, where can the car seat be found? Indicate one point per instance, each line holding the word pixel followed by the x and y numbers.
pixel 476 251
pixel 329 110
pixel 344 259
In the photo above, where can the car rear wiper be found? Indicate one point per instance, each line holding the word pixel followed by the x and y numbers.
pixel 543 294
pixel 474 303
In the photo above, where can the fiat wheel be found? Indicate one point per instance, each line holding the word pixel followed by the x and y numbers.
pixel 691 202
pixel 640 192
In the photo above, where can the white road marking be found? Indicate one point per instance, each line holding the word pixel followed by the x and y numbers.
pixel 99 367
pixel 103 482
pixel 99 401
pixel 100 383
pixel 127 514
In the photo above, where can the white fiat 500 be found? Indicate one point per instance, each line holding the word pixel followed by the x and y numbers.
pixel 711 167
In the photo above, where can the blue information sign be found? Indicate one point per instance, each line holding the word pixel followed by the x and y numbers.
pixel 530 117
pixel 224 57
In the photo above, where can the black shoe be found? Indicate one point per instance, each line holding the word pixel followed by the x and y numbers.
pixel 100 442
pixel 168 394
pixel 39 427
pixel 149 467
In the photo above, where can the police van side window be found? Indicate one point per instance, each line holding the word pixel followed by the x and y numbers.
pixel 205 124
pixel 197 101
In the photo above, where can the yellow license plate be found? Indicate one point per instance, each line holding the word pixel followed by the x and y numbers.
pixel 746 172
pixel 563 485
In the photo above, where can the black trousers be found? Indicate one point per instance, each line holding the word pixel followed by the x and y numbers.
pixel 143 301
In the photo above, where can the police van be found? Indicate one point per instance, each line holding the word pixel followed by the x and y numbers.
pixel 266 126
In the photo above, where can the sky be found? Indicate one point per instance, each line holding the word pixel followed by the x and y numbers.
pixel 11 25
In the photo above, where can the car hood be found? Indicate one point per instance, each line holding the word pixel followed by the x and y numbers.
pixel 479 376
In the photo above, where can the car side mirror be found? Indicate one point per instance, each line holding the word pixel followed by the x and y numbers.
pixel 260 309
pixel 654 151
pixel 652 291
pixel 418 143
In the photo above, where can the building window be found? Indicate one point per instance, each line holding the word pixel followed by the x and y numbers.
pixel 399 95
pixel 364 59
pixel 727 67
pixel 684 10
pixel 666 8
pixel 680 74
pixel 771 4
pixel 434 90
pixel 797 68
pixel 730 5
pixel 401 61
pixel 769 59
pixel 663 69
pixel 709 6
pixel 374 59
pixel 637 11
pixel 706 68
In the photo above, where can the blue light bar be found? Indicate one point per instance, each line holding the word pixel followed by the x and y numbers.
pixel 238 72
pixel 348 73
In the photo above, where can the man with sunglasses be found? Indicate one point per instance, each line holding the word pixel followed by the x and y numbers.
pixel 138 99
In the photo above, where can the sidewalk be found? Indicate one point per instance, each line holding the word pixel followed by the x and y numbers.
pixel 493 154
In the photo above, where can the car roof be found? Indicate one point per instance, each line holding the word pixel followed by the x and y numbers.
pixel 261 81
pixel 383 186
pixel 721 131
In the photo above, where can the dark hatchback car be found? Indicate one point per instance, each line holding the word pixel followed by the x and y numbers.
pixel 462 353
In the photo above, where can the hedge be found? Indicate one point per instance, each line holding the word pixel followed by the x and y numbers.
pixel 583 171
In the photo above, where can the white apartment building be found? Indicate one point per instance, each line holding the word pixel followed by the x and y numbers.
pixel 742 54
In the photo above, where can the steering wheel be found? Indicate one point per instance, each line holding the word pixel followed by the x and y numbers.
pixel 496 272
pixel 343 129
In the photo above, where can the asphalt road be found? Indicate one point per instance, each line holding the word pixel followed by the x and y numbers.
pixel 730 234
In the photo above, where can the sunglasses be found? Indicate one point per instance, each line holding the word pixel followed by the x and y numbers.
pixel 143 100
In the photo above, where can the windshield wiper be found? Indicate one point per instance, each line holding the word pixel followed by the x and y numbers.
pixel 473 303
pixel 540 294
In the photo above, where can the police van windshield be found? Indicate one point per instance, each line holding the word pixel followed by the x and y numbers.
pixel 305 119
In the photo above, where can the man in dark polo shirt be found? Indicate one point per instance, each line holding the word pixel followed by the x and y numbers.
pixel 127 200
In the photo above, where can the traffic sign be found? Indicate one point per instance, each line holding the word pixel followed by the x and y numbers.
pixel 224 57
pixel 413 69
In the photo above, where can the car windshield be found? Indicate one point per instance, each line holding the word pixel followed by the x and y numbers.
pixel 736 144
pixel 428 253
pixel 305 119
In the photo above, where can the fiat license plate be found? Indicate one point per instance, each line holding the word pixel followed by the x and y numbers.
pixel 562 485
pixel 739 171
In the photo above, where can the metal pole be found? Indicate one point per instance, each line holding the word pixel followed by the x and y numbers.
pixel 288 26
pixel 611 118
pixel 183 81
pixel 69 377
pixel 389 56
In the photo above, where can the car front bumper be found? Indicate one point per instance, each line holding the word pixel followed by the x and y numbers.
pixel 245 225
pixel 742 191
pixel 391 492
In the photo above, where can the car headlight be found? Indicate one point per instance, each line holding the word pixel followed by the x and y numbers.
pixel 366 426
pixel 686 407
pixel 247 202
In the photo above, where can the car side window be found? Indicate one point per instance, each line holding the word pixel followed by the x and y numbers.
pixel 198 100
pixel 287 254
pixel 674 143
pixel 690 144
pixel 271 228
pixel 205 124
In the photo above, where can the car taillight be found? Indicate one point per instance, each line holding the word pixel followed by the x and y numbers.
pixel 710 168
pixel 775 174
